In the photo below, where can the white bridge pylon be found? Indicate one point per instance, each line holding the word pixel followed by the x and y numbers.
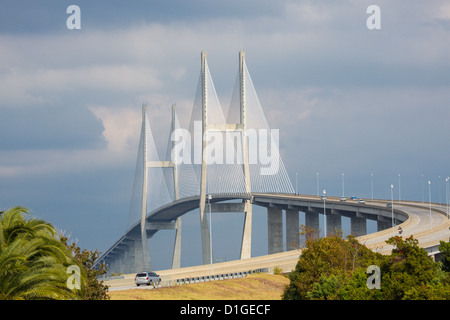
pixel 244 134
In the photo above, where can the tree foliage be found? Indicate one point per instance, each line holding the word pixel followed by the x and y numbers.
pixel 95 289
pixel 444 247
pixel 33 262
pixel 334 268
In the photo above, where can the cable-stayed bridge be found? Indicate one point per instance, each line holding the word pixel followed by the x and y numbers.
pixel 222 161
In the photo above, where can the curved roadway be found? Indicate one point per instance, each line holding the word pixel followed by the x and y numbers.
pixel 417 224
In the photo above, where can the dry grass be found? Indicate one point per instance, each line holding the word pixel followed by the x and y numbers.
pixel 253 287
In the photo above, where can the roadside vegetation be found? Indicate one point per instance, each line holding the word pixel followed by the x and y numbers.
pixel 334 268
pixel 258 286
pixel 37 263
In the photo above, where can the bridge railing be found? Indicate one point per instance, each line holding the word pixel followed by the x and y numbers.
pixel 215 277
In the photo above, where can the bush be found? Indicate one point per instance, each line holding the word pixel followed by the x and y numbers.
pixel 334 268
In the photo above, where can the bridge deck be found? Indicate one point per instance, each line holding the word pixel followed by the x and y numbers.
pixel 417 224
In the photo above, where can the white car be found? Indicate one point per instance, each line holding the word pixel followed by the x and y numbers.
pixel 361 201
pixel 147 278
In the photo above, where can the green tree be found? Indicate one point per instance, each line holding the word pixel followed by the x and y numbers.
pixel 444 247
pixel 33 262
pixel 409 272
pixel 334 268
pixel 324 264
pixel 95 289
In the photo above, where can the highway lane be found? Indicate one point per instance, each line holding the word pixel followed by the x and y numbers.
pixel 284 260
pixel 418 225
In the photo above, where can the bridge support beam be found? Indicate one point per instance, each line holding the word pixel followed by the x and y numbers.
pixel 129 259
pixel 292 231
pixel 114 263
pixel 275 230
pixel 120 263
pixel 204 227
pixel 312 222
pixel 333 223
pixel 138 256
pixel 176 258
pixel 382 225
pixel 246 244
pixel 358 226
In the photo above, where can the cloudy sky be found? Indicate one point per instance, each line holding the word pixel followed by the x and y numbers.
pixel 347 99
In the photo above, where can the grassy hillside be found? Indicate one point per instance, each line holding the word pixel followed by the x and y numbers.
pixel 253 287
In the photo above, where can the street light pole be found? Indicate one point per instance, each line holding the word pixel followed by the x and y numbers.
pixel 422 188
pixel 439 193
pixel 324 213
pixel 317 183
pixel 371 184
pixel 392 207
pixel 446 194
pixel 429 198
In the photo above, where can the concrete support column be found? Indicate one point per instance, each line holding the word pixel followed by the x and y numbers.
pixel 312 222
pixel 138 256
pixel 176 259
pixel 112 265
pixel 129 258
pixel 358 226
pixel 204 227
pixel 333 223
pixel 246 244
pixel 382 225
pixel 275 230
pixel 118 263
pixel 292 231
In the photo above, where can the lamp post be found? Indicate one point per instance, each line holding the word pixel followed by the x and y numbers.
pixel 296 183
pixel 371 184
pixel 429 198
pixel 392 207
pixel 439 193
pixel 317 175
pixel 324 213
pixel 399 190
pixel 446 194
pixel 422 187
pixel 342 184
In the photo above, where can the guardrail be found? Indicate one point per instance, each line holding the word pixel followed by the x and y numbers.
pixel 215 277
pixel 101 278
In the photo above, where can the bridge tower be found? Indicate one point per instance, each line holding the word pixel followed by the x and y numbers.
pixel 196 180
pixel 237 127
pixel 145 263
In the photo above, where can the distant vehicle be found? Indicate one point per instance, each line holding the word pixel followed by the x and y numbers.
pixel 343 198
pixel 361 201
pixel 147 278
pixel 354 198
pixel 324 197
pixel 389 205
